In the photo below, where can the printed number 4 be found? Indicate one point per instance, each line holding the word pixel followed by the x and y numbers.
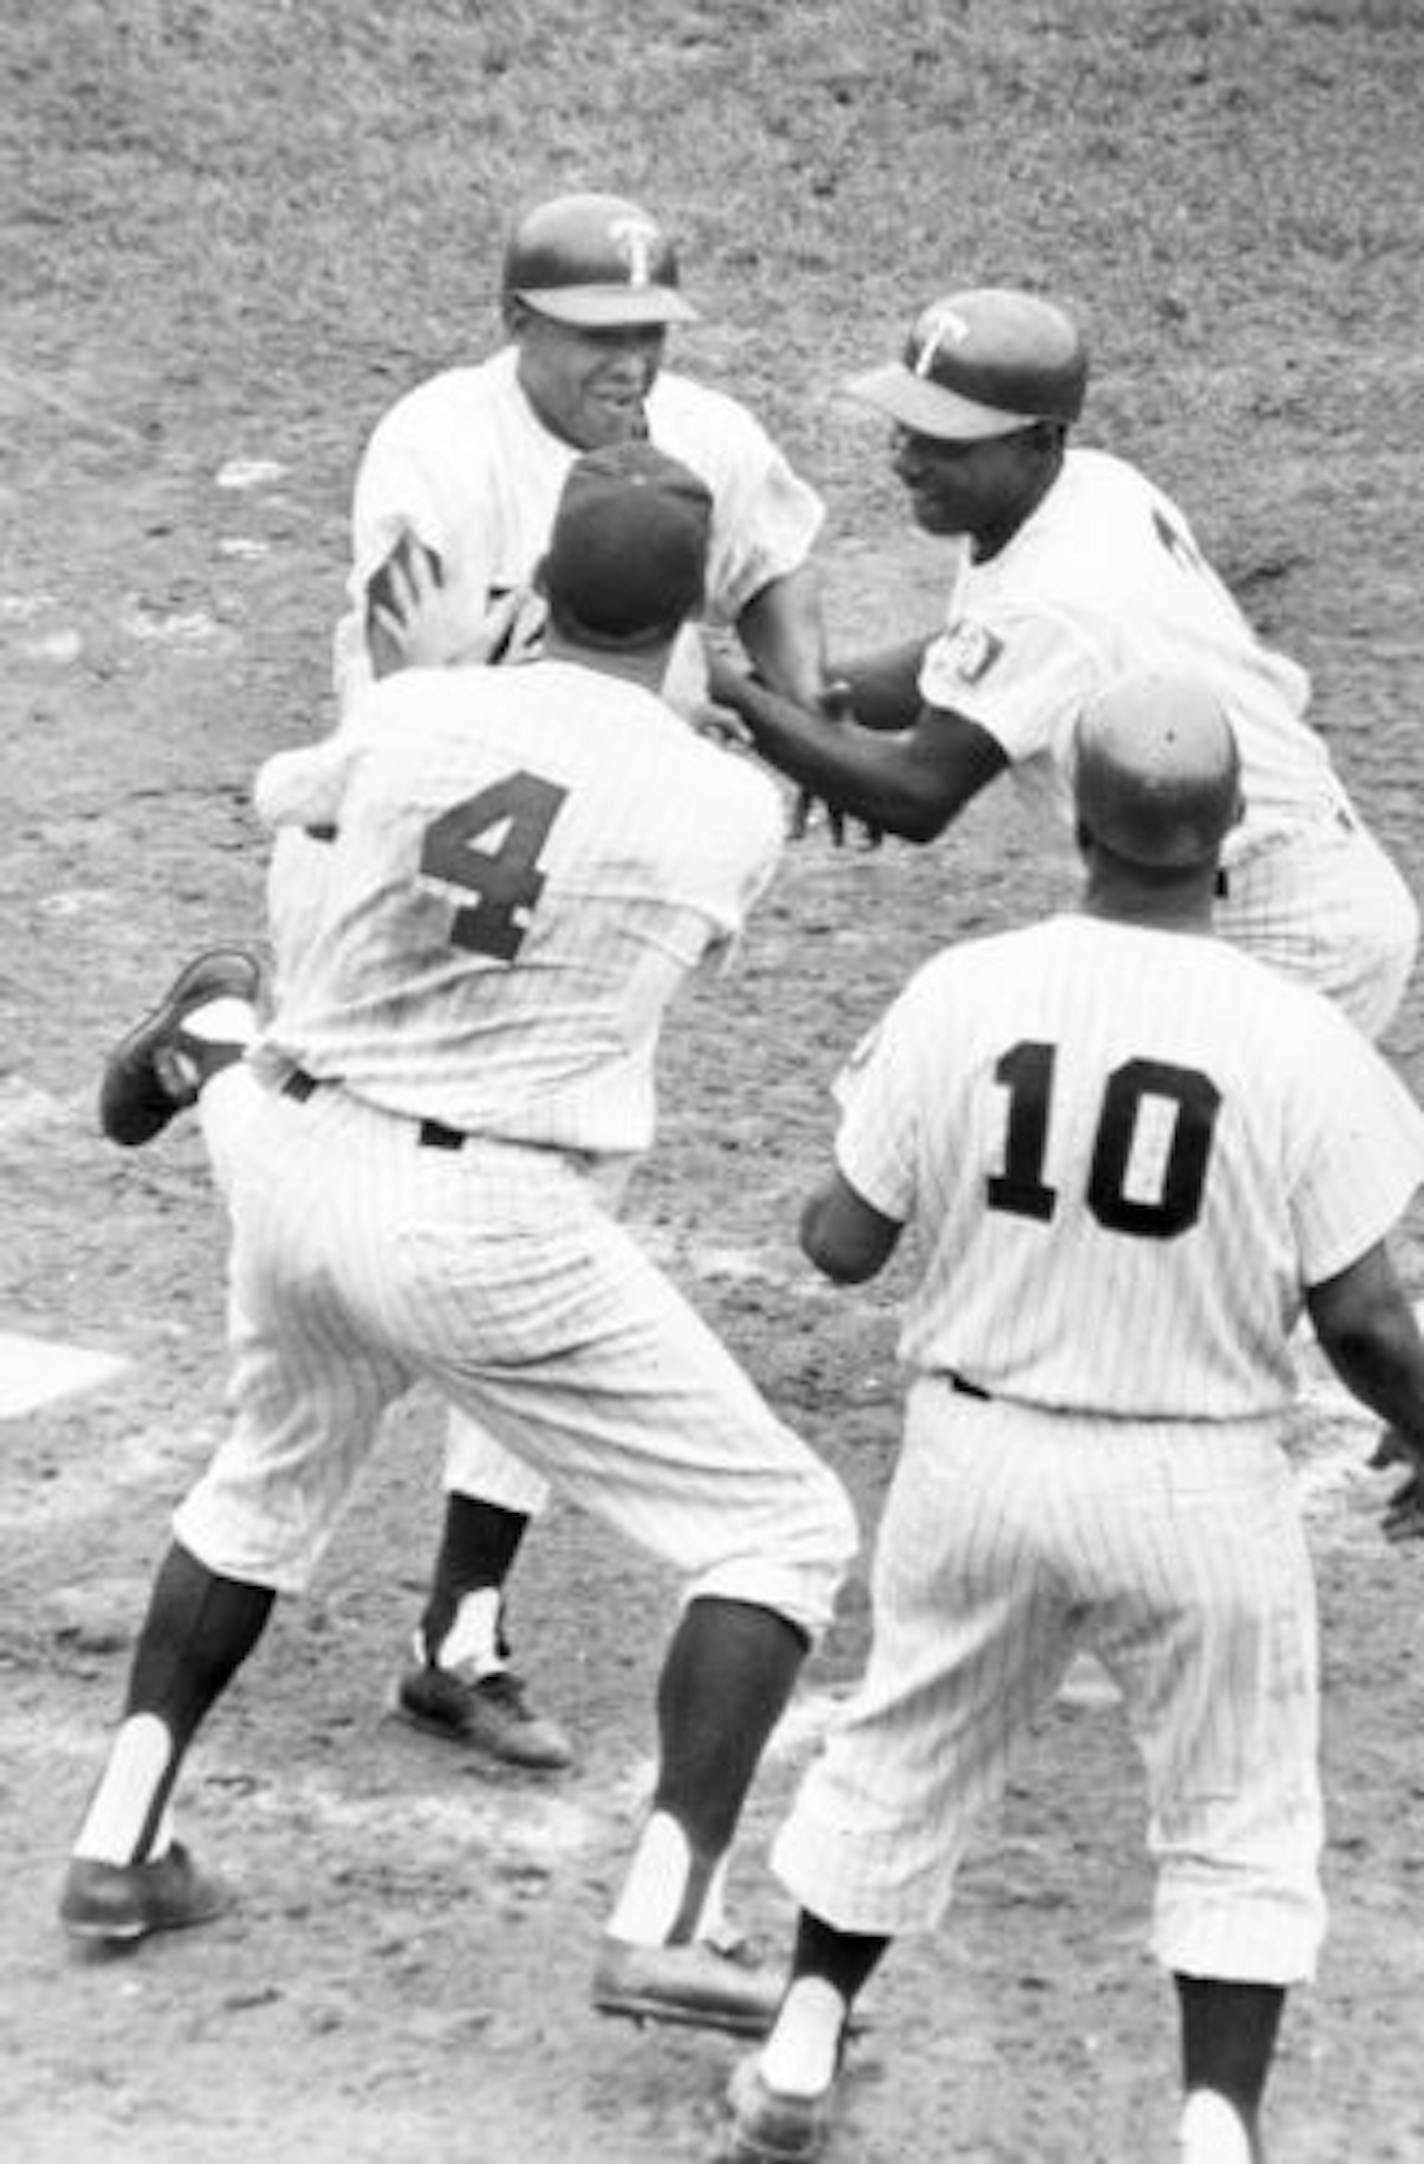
pixel 520 810
pixel 1026 1072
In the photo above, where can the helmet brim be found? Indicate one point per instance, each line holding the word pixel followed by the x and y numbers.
pixel 608 307
pixel 928 409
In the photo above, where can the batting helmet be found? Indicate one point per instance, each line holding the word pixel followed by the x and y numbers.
pixel 982 364
pixel 597 261
pixel 1158 773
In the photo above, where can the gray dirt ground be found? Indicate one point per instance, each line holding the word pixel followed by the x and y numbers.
pixel 234 236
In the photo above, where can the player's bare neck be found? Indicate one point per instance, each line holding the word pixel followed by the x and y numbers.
pixel 1151 909
pixel 994 535
pixel 645 665
pixel 1154 898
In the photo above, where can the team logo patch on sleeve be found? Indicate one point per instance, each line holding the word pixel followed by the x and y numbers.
pixel 971 650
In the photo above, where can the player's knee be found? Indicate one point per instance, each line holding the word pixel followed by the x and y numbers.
pixel 792 1560
pixel 830 1538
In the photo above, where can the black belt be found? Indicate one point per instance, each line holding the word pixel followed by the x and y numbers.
pixel 430 1134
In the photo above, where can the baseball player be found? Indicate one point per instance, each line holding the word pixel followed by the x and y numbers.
pixel 1074 569
pixel 527 864
pixel 1130 1153
pixel 458 485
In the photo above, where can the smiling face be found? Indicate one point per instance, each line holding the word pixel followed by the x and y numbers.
pixel 965 487
pixel 588 384
pixel 982 490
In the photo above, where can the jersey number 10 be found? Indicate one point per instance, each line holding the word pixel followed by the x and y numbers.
pixel 1026 1072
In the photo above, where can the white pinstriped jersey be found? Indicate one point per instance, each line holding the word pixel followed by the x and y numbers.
pixel 465 464
pixel 1104 578
pixel 1126 1152
pixel 528 863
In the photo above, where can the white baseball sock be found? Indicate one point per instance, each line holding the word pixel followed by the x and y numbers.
pixel 123 1801
pixel 803 2050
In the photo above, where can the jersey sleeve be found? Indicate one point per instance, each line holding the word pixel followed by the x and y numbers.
pixel 305 787
pixel 1023 677
pixel 878 1096
pixel 766 518
pixel 1361 1153
pixel 402 486
pixel 733 873
pixel 774 537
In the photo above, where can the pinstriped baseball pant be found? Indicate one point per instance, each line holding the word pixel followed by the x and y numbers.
pixel 475 1463
pixel 363 1263
pixel 1012 1539
pixel 1326 905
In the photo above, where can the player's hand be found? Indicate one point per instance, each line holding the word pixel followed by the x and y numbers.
pixel 1404 1512
pixel 726 680
pixel 419 621
pixel 812 813
pixel 719 724
pixel 834 707
pixel 514 629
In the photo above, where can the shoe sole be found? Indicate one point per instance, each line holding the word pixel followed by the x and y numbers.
pixel 161 1020
pixel 116 1934
pixel 744 2144
pixel 428 1725
pixel 628 2007
pixel 746 2149
pixel 661 2011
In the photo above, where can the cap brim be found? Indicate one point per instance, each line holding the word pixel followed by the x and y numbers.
pixel 929 409
pixel 607 307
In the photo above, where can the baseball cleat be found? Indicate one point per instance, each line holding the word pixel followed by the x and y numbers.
pixel 699 1985
pixel 158 1068
pixel 695 1985
pixel 123 1902
pixel 485 1713
pixel 770 2127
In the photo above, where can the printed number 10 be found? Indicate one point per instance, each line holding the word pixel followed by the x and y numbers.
pixel 1026 1072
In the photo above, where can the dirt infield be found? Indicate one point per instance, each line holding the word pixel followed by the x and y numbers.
pixel 231 237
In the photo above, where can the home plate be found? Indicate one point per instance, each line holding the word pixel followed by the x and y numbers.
pixel 35 1370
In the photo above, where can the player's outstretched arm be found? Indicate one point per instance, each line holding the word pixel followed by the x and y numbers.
pixel 911 784
pixel 883 688
pixel 844 1236
pixel 1367 1331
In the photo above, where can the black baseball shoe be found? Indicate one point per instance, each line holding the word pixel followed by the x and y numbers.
pixel 488 1713
pixel 769 2127
pixel 158 1067
pixel 697 1984
pixel 123 1902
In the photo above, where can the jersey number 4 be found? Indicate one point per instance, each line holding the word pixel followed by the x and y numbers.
pixel 516 815
pixel 1192 1100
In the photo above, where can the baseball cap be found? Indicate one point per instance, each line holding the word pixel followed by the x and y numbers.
pixel 628 553
pixel 1157 771
pixel 982 364
pixel 597 261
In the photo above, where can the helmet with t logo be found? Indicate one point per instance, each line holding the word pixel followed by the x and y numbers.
pixel 597 261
